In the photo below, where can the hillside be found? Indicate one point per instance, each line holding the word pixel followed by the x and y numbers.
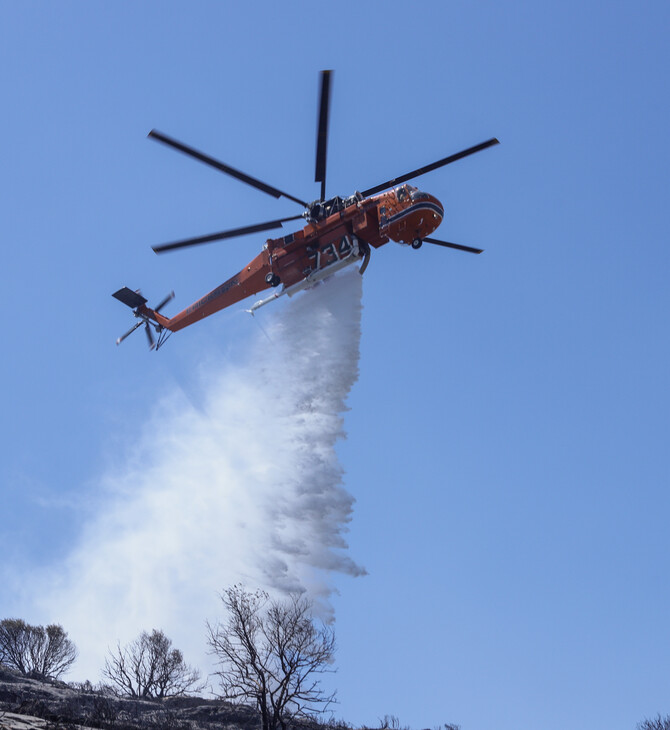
pixel 28 703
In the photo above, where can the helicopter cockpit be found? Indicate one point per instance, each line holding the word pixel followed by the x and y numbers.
pixel 405 192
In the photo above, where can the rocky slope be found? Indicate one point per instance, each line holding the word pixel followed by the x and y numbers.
pixel 28 704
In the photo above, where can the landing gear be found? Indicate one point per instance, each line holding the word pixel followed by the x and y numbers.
pixel 417 243
pixel 272 279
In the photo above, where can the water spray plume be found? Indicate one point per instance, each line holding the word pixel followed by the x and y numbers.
pixel 245 488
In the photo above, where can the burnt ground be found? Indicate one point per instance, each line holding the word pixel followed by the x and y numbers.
pixel 28 704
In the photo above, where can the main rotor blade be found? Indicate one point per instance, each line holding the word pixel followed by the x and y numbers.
pixel 224 234
pixel 457 246
pixel 258 184
pixel 322 132
pixel 428 168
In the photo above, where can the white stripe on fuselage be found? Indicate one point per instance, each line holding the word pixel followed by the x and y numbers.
pixel 416 207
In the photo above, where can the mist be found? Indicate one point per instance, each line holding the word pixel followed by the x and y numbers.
pixel 244 486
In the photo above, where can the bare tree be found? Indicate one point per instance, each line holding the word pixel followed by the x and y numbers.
pixel 150 667
pixel 656 723
pixel 390 722
pixel 271 654
pixel 36 650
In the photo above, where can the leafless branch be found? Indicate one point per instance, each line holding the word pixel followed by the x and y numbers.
pixel 271 654
pixel 150 667
pixel 45 652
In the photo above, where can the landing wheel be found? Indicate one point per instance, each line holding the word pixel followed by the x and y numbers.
pixel 272 279
pixel 417 243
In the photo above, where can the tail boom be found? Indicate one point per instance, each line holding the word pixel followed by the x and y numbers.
pixel 244 284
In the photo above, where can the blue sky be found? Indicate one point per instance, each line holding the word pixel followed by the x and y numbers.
pixel 507 436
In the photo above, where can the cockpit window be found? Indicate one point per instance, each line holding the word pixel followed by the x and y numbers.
pixel 416 194
pixel 405 192
pixel 401 193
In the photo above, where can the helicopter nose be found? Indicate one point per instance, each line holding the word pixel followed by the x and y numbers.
pixel 414 217
pixel 430 209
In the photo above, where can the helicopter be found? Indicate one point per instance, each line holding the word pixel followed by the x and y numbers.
pixel 338 232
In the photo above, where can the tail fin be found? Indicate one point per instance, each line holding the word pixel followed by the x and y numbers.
pixel 130 298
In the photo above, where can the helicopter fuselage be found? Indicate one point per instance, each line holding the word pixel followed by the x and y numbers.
pixel 338 232
pixel 344 234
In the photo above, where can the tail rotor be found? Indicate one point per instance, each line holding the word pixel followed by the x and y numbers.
pixel 163 302
pixel 128 333
pixel 137 302
pixel 150 337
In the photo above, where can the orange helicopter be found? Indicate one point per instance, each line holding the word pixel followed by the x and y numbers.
pixel 338 232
